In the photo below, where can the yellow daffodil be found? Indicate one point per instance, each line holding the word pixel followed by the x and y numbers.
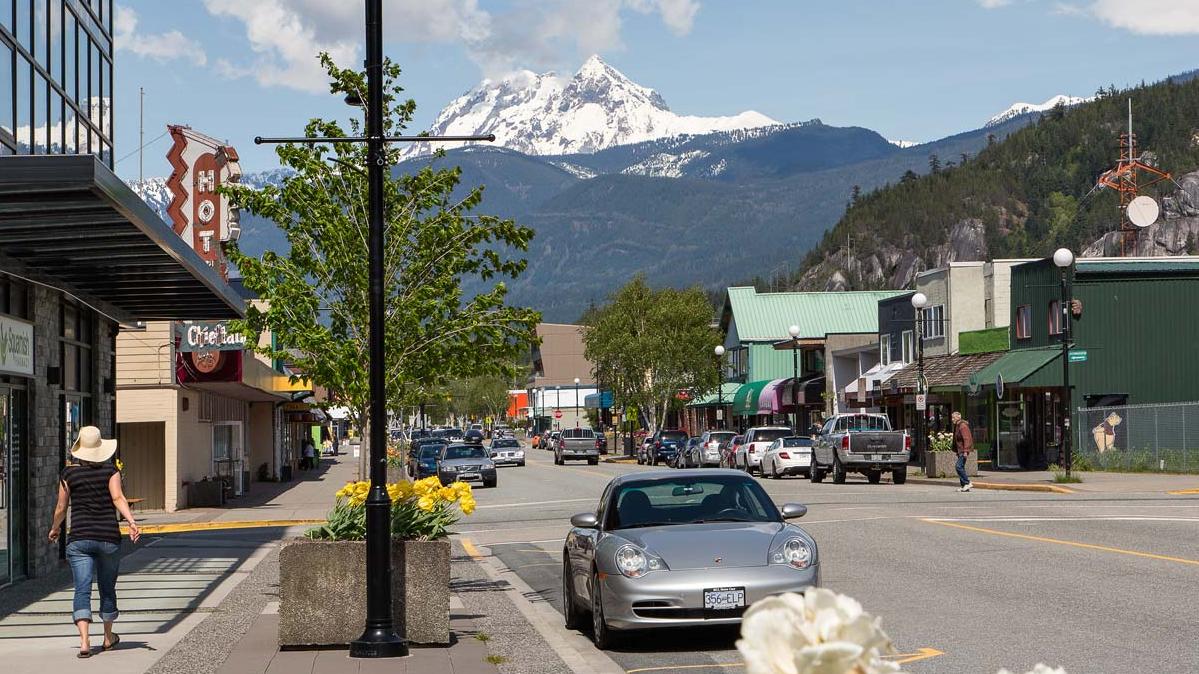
pixel 448 494
pixel 462 488
pixel 467 504
pixel 426 503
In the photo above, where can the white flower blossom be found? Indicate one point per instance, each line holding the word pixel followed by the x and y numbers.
pixel 819 632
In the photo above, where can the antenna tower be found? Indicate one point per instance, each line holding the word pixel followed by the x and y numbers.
pixel 1125 179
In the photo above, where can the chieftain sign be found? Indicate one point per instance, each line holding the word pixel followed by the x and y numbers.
pixel 204 218
pixel 202 336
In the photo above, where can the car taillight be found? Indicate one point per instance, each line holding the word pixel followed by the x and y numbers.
pixel 597 443
pixel 845 442
pixel 783 455
pixel 907 442
pixel 751 449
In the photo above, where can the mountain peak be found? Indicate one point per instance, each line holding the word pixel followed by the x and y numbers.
pixel 599 107
pixel 1017 109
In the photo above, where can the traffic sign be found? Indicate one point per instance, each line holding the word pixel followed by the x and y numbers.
pixel 557 414
pixel 921 402
pixel 1078 356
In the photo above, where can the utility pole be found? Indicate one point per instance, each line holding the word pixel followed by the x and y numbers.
pixel 141 133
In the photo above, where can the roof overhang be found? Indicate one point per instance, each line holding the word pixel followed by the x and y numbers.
pixel 801 343
pixel 70 223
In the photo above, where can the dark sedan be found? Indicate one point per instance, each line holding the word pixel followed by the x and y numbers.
pixel 425 464
pixel 466 463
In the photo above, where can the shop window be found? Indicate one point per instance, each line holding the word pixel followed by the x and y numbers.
pixel 76 353
pixel 1023 321
pixel 1055 317
pixel 7 94
pixel 908 342
pixel 884 349
pixel 934 322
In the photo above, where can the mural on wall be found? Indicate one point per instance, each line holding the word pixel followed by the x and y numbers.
pixel 200 165
pixel 1104 434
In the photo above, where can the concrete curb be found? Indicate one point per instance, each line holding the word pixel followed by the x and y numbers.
pixel 999 486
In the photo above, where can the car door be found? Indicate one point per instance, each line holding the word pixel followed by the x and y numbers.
pixel 582 555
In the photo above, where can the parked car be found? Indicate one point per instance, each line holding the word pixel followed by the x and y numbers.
pixel 860 443
pixel 603 442
pixel 681 548
pixel 643 447
pixel 728 451
pixel 506 451
pixel 576 443
pixel 706 450
pixel 663 446
pixel 683 458
pixel 466 463
pixel 791 455
pixel 417 446
pixel 757 439
pixel 473 436
pixel 424 464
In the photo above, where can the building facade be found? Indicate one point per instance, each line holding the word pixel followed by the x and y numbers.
pixel 557 361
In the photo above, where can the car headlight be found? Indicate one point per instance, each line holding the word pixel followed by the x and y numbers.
pixel 520 453
pixel 633 562
pixel 794 552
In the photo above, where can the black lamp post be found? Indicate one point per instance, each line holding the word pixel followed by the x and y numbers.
pixel 378 639
pixel 794 332
pixel 919 300
pixel 1064 260
pixel 719 351
pixel 576 402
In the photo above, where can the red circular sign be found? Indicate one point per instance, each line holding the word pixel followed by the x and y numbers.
pixel 557 414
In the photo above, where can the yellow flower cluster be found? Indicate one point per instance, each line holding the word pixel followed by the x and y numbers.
pixel 427 492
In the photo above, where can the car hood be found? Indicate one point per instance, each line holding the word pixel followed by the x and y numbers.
pixel 466 462
pixel 697 546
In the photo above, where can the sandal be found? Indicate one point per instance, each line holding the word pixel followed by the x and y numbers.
pixel 83 654
pixel 116 639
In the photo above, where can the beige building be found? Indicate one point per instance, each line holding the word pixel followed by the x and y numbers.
pixel 557 362
pixel 955 304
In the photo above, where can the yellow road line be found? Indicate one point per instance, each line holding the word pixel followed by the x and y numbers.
pixel 470 548
pixel 1074 544
pixel 181 527
pixel 1183 492
pixel 902 659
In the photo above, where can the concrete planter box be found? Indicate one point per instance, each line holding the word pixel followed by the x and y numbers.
pixel 943 464
pixel 396 474
pixel 322 591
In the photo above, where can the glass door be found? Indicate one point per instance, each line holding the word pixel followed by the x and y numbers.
pixel 1009 433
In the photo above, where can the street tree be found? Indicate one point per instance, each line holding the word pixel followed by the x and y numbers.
pixel 477 397
pixel 315 292
pixel 647 345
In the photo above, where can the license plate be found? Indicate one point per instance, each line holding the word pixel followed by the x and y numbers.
pixel 724 598
pixel 468 476
pixel 877 457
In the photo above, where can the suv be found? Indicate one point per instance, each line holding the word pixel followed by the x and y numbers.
pixel 706 451
pixel 577 443
pixel 664 446
pixel 749 454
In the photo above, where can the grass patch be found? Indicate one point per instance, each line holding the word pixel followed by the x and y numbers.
pixel 1060 476
pixel 483 636
pixel 496 660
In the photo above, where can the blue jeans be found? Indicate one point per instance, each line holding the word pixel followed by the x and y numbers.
pixel 961 468
pixel 99 560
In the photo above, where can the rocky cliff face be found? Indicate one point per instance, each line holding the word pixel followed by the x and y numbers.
pixel 1176 232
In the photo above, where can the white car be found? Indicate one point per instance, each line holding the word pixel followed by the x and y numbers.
pixel 791 455
pixel 757 439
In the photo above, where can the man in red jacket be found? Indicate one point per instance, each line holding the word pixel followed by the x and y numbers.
pixel 963 444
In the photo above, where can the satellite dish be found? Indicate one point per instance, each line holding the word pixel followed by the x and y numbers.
pixel 1143 211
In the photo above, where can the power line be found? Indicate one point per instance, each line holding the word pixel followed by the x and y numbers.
pixel 146 145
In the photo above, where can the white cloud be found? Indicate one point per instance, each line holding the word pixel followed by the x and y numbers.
pixel 992 4
pixel 1149 17
pixel 166 46
pixel 286 35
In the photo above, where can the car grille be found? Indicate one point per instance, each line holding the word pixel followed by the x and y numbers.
pixel 659 610
pixel 468 469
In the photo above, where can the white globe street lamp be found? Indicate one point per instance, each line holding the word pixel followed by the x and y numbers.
pixel 1063 259
pixel 919 300
pixel 719 351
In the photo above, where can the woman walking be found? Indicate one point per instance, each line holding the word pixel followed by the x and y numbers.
pixel 92 487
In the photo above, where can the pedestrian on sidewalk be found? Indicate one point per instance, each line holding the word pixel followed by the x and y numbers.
pixel 91 485
pixel 309 455
pixel 963 444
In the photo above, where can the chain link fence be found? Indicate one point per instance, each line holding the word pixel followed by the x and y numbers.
pixel 1139 438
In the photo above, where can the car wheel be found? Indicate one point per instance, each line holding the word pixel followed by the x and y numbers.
pixel 815 474
pixel 774 471
pixel 574 616
pixel 900 475
pixel 838 471
pixel 522 463
pixel 601 634
pixel 874 476
pixel 654 461
pixel 490 484
pixel 592 462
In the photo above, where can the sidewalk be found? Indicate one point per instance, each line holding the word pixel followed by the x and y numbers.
pixel 1092 482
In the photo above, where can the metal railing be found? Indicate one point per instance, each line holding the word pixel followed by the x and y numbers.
pixel 1161 437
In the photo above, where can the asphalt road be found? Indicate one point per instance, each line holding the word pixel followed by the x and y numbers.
pixel 963 582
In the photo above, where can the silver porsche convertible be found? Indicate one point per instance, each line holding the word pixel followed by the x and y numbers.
pixel 679 548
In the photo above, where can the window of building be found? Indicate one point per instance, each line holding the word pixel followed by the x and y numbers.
pixel 1023 322
pixel 884 349
pixel 934 322
pixel 1055 317
pixel 24 25
pixel 908 342
pixel 23 105
pixel 7 96
pixel 77 339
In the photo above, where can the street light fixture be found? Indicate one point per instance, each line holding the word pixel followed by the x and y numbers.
pixel 576 402
pixel 919 301
pixel 1063 259
pixel 794 332
pixel 719 351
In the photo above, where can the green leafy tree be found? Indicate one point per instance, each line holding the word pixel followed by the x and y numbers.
pixel 646 345
pixel 315 294
pixel 478 397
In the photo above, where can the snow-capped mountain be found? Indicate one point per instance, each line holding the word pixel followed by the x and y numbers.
pixel 157 195
pixel 597 108
pixel 1017 109
pixel 904 144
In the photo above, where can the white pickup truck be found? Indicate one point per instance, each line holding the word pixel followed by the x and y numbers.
pixel 860 443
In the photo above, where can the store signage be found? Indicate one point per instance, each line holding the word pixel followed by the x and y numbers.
pixel 1078 356
pixel 16 346
pixel 208 336
pixel 202 216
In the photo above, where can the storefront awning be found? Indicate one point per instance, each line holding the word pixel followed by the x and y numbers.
pixel 804 391
pixel 873 377
pixel 746 400
pixel 944 372
pixel 70 223
pixel 601 400
pixel 1016 366
pixel 726 395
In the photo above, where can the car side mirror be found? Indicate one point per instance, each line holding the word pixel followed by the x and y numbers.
pixel 585 521
pixel 794 510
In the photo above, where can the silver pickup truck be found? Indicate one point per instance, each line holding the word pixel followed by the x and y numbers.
pixel 577 443
pixel 860 443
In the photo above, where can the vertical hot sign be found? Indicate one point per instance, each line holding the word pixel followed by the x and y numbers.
pixel 199 213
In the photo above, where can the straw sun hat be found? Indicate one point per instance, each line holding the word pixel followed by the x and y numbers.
pixel 89 446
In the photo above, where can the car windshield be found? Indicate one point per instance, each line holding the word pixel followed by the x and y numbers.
pixel 719 437
pixel 724 498
pixel 585 433
pixel 770 434
pixel 797 442
pixel 866 422
pixel 428 452
pixel 676 436
pixel 498 444
pixel 464 452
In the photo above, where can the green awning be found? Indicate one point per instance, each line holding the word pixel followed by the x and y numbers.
pixel 1016 366
pixel 745 402
pixel 726 395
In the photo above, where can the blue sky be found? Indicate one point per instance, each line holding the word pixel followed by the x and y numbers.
pixel 911 70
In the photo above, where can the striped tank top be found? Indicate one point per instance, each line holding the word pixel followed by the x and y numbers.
pixel 93 516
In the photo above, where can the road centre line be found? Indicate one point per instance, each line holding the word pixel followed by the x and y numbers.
pixel 1058 541
pixel 1080 518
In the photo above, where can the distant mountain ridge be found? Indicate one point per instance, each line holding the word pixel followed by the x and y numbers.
pixel 1017 109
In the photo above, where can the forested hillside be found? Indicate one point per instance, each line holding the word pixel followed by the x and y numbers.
pixel 1022 196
